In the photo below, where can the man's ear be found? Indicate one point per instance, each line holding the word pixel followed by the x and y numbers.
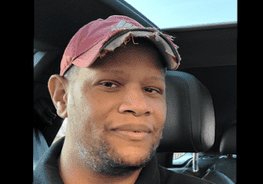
pixel 57 86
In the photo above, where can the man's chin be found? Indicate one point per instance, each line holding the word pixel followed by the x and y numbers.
pixel 132 156
pixel 121 163
pixel 124 166
pixel 135 158
pixel 136 162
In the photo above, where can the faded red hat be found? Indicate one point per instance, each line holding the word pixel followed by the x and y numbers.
pixel 101 36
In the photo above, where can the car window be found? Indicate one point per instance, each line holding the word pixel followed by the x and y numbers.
pixel 181 158
pixel 181 13
pixel 177 155
pixel 37 56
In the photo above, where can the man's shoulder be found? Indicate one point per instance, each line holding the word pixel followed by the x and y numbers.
pixel 170 177
pixel 46 170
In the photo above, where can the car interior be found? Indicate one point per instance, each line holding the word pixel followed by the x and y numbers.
pixel 201 94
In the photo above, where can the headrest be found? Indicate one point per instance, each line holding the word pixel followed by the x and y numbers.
pixel 228 141
pixel 190 121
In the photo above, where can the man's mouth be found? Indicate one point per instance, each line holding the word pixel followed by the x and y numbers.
pixel 133 132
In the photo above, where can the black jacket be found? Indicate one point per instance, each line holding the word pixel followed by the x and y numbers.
pixel 47 171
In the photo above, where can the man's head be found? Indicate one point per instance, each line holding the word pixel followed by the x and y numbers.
pixel 115 107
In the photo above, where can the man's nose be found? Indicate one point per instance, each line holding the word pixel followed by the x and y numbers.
pixel 135 102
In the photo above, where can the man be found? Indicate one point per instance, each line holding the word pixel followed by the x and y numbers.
pixel 111 88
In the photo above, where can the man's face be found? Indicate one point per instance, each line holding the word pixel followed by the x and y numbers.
pixel 116 110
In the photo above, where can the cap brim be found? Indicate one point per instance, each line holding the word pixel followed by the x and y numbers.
pixel 165 46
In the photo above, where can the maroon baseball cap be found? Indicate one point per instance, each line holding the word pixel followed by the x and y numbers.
pixel 98 37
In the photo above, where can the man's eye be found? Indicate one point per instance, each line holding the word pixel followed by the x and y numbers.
pixel 152 90
pixel 108 84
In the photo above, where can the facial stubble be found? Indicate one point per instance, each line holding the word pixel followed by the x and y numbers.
pixel 101 161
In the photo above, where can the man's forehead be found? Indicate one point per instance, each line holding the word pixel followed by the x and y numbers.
pixel 123 72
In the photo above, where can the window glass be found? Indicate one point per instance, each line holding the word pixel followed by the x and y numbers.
pixel 181 158
pixel 182 13
pixel 37 56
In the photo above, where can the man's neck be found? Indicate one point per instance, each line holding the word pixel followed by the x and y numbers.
pixel 71 171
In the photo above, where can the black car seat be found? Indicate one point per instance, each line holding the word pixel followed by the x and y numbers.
pixel 190 125
pixel 217 177
pixel 220 169
pixel 225 165
pixel 190 120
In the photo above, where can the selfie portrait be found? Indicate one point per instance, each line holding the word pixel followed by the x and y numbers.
pixel 134 92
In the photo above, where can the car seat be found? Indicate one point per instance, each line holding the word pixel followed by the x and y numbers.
pixel 225 164
pixel 190 120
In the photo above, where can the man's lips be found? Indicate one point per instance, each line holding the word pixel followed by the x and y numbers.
pixel 132 132
pixel 133 128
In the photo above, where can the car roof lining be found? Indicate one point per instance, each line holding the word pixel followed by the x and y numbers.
pixel 65 17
